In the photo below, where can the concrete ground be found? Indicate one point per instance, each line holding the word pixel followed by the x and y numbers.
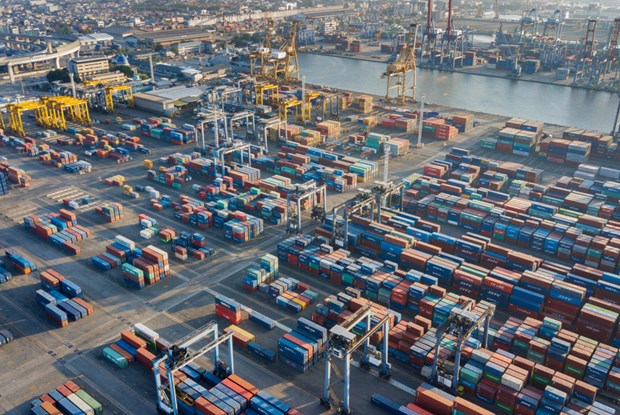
pixel 43 356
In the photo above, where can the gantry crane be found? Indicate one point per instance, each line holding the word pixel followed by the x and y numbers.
pixel 528 19
pixel 343 343
pixel 461 323
pixel 61 108
pixel 431 32
pixel 584 67
pixel 294 199
pixel 15 111
pixel 179 356
pixel 553 25
pixel 285 64
pixel 367 201
pixel 260 57
pixel 284 106
pixel 123 93
pixel 401 74
pixel 266 91
pixel 307 99
pixel 231 147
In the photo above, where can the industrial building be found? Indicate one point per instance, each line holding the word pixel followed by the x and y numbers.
pixel 94 39
pixel 186 48
pixel 83 67
pixel 167 101
pixel 168 37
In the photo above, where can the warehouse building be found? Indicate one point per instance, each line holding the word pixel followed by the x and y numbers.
pixel 168 38
pixel 169 100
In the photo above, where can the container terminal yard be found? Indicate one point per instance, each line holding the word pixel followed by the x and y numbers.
pixel 280 248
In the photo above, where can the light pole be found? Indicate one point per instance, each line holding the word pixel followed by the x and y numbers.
pixel 420 144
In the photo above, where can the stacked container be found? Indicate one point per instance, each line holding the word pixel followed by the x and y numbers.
pixel 304 346
pixel 20 263
pixel 60 228
pixel 112 212
pixel 67 398
pixel 62 298
pixel 228 309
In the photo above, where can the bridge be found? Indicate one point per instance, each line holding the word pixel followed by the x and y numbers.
pixel 48 54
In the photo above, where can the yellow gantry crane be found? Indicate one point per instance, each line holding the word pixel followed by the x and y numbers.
pixel 285 62
pixel 62 108
pixel 15 111
pixel 124 93
pixel 284 106
pixel 261 56
pixel 401 74
pixel 50 112
pixel 306 108
pixel 263 91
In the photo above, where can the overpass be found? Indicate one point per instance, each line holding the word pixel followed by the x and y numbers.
pixel 49 54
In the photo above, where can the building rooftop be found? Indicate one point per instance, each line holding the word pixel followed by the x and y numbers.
pixel 170 35
pixel 90 59
pixel 174 94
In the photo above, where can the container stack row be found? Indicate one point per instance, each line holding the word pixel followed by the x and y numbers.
pixel 65 160
pixel 18 262
pixel 191 244
pixel 229 310
pixel 62 299
pixel 68 398
pixel 304 346
pixel 167 132
pixel 4 184
pixel 132 348
pixel 140 267
pixel 13 174
pixel 542 347
pixel 59 228
pixel 5 275
pixel 267 271
pixel 112 212
pixel 237 225
pixel 289 294
pixel 583 238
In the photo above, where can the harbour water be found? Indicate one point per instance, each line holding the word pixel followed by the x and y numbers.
pixel 555 104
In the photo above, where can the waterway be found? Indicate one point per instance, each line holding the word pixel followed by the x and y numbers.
pixel 555 104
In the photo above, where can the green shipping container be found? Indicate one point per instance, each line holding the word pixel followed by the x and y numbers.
pixel 90 401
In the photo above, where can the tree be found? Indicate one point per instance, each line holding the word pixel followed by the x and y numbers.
pixel 58 75
pixel 157 47
pixel 126 70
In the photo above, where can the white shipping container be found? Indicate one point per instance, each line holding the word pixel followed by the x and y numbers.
pixel 127 243
pixel 82 406
pixel 278 55
pixel 147 233
pixel 512 382
pixel 146 332
pixel 609 173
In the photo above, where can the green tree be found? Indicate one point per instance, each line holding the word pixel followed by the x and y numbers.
pixel 58 75
pixel 126 70
pixel 157 47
